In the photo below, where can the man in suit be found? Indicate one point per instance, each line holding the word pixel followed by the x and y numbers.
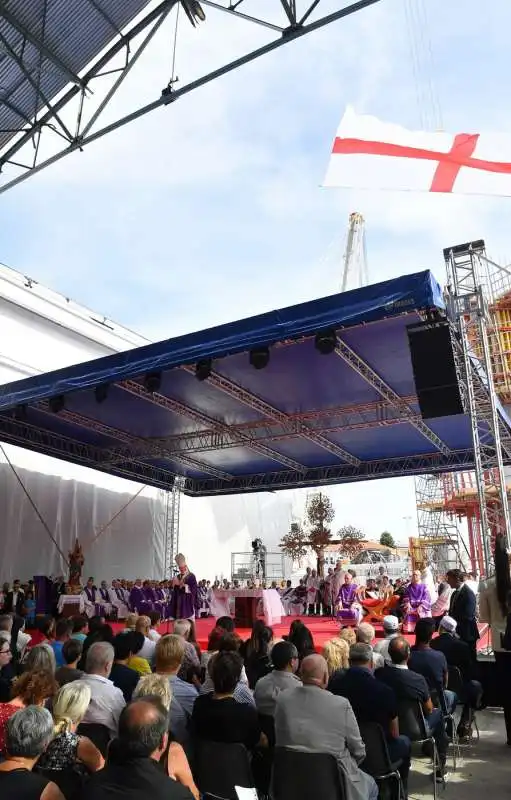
pixel 462 608
pixel 311 719
pixel 14 599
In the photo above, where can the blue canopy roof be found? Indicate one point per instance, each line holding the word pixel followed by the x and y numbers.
pixel 306 419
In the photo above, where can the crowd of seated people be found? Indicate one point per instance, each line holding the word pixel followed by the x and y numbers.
pixel 85 713
pixel 98 690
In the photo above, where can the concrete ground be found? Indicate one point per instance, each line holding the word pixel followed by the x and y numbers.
pixel 483 771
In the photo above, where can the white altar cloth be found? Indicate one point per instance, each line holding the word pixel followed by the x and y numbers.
pixel 222 603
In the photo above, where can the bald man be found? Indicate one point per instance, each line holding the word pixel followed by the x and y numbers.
pixel 131 771
pixel 312 719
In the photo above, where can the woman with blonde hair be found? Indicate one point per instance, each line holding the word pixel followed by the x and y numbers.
pixel 349 636
pixel 336 654
pixel 68 749
pixel 173 760
pixel 130 622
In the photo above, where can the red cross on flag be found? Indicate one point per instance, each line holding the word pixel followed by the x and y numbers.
pixel 370 154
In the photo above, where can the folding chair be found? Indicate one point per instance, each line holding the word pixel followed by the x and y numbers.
pixel 377 762
pixel 440 701
pixel 412 723
pixel 456 684
pixel 220 767
pixel 300 775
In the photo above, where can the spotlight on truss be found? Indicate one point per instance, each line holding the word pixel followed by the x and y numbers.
pixel 193 11
pixel 325 342
pixel 101 392
pixel 259 357
pixel 203 369
pixel 57 403
pixel 152 382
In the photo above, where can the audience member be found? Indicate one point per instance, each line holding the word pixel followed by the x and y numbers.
pixel 214 639
pixel 122 675
pixel 284 656
pixel 174 760
pixel 366 634
pixel 463 608
pixel 373 701
pixel 71 654
pixel 67 750
pixel 107 701
pixel 229 643
pixel 132 770
pixel 226 623
pixel 28 733
pixel 63 631
pixel 301 637
pixel 257 661
pixel 155 618
pixel 43 634
pixel 430 663
pixel 410 686
pixel 7 673
pixel 31 689
pixel 312 719
pixel 191 661
pixel 169 656
pixel 390 630
pixel 79 628
pixel 136 661
pixel 40 658
pixel 143 626
pixel 336 654
pixel 349 636
pixel 217 716
pixel 14 599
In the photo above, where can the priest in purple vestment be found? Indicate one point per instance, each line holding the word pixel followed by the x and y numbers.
pixel 416 599
pixel 347 599
pixel 184 596
pixel 137 599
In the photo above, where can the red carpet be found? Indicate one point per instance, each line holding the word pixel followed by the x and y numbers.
pixel 322 629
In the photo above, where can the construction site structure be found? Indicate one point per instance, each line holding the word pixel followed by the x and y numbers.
pixel 478 298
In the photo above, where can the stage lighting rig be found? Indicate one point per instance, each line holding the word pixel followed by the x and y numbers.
pixel 57 404
pixel 325 342
pixel 203 369
pixel 152 382
pixel 259 357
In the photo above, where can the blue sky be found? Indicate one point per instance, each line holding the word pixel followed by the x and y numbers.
pixel 212 209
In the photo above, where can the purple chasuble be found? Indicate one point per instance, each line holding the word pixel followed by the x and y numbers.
pixel 347 594
pixel 416 594
pixel 184 603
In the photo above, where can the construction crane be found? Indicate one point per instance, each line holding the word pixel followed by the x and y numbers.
pixel 355 272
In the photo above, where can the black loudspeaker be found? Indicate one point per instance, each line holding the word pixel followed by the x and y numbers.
pixel 434 370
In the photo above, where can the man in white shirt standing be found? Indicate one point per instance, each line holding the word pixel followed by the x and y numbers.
pixel 107 701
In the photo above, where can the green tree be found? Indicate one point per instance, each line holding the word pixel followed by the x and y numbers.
pixel 387 540
pixel 350 541
pixel 317 534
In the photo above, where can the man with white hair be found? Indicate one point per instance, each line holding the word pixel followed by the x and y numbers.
pixel 107 701
pixel 365 634
pixel 27 735
pixel 391 630
pixel 312 719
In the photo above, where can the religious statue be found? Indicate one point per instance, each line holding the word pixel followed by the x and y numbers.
pixel 76 561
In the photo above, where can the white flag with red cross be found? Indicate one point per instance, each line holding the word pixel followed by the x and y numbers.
pixel 370 154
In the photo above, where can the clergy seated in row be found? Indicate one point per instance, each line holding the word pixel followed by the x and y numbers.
pixel 93 601
pixel 119 598
pixel 416 601
pixel 141 597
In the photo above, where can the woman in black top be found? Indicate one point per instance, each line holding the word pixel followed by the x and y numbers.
pixel 258 662
pixel 301 637
pixel 217 717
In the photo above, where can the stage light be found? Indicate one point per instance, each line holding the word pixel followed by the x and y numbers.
pixel 259 357
pixel 193 11
pixel 152 382
pixel 101 392
pixel 57 403
pixel 203 369
pixel 325 342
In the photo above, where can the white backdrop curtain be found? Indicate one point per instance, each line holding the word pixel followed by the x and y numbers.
pixel 131 546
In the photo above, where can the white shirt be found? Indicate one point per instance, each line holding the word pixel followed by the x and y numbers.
pixel 106 702
pixel 473 585
pixel 148 649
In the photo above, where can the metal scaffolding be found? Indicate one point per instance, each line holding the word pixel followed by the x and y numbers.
pixel 56 86
pixel 172 512
pixel 468 309
pixel 440 540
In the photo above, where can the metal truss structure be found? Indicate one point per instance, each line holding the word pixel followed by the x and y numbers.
pixel 244 567
pixel 42 86
pixel 468 309
pixel 172 513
